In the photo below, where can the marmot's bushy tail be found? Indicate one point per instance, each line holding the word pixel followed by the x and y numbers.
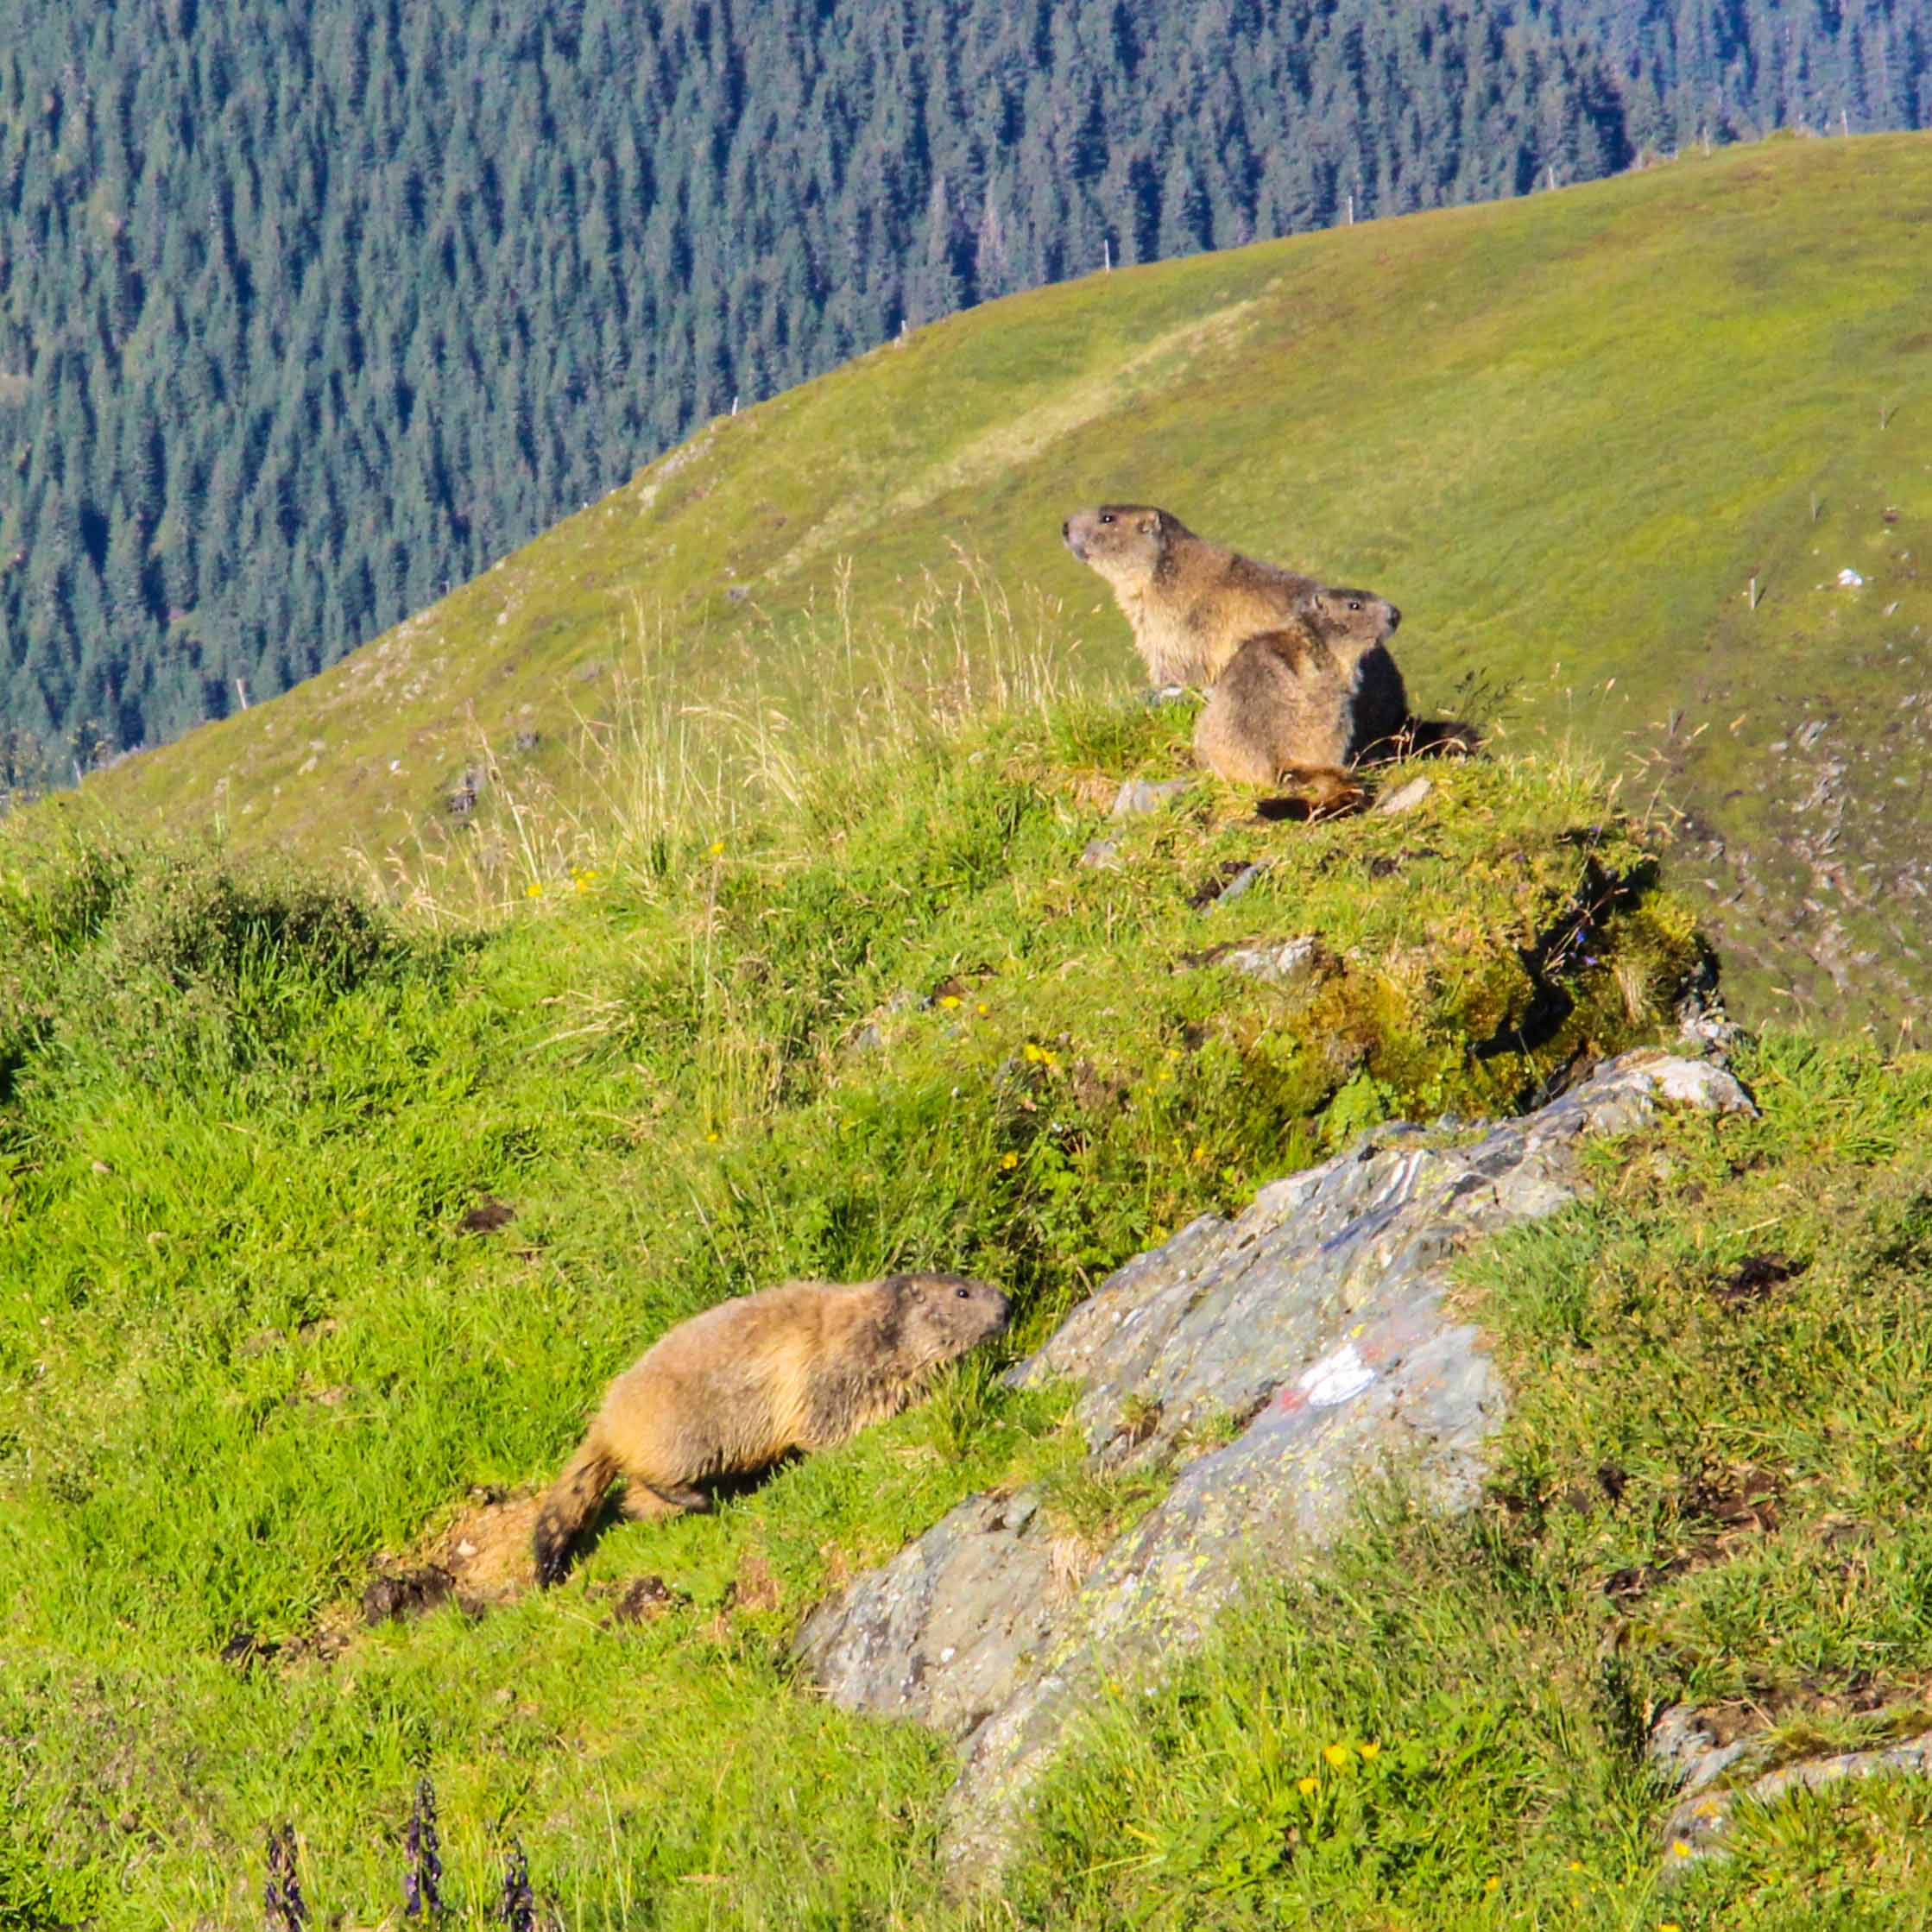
pixel 569 1506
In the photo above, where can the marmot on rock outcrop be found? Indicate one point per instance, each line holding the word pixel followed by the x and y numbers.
pixel 730 1390
pixel 1303 702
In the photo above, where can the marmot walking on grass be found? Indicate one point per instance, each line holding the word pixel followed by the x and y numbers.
pixel 1300 702
pixel 728 1392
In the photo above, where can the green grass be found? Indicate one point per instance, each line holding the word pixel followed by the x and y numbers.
pixel 1564 433
pixel 246 1347
pixel 246 1350
pixel 1503 1692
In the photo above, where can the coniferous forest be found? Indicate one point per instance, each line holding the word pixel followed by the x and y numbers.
pixel 307 311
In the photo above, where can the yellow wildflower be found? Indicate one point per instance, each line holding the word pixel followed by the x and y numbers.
pixel 1009 1161
pixel 1307 1786
pixel 1030 1053
pixel 1336 1754
pixel 1670 1925
pixel 1576 1865
pixel 711 1139
pixel 535 889
pixel 949 1001
pixel 717 848
pixel 1679 1849
pixel 1370 1749
pixel 983 1009
pixel 1490 1883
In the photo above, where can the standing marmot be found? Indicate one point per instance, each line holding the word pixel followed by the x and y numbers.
pixel 1191 604
pixel 1303 702
pixel 799 1367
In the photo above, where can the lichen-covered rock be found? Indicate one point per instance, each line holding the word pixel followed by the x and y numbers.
pixel 1713 1773
pixel 1312 1329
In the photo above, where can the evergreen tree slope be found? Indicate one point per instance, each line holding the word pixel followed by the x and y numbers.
pixel 1610 449
pixel 308 312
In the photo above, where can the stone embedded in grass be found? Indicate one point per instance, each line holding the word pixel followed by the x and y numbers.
pixel 1404 798
pixel 1139 796
pixel 1229 881
pixel 1714 1770
pixel 1277 963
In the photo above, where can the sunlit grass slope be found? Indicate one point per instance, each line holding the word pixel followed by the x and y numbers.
pixel 246 1345
pixel 249 1349
pixel 1566 433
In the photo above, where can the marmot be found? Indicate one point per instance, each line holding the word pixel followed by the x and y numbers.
pixel 729 1391
pixel 1191 604
pixel 1304 701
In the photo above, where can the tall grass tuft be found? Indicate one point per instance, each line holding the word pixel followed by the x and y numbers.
pixel 649 770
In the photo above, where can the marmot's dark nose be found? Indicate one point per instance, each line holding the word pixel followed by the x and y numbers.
pixel 1395 617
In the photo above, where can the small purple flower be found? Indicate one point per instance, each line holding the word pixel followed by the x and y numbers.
pixel 519 1908
pixel 422 1882
pixel 281 1897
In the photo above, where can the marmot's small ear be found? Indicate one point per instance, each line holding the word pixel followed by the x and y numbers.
pixel 1152 523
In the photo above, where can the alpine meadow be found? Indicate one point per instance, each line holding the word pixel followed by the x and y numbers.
pixel 1391 1391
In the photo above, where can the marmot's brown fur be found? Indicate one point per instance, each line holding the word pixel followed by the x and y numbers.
pixel 728 1392
pixel 1191 604
pixel 1303 702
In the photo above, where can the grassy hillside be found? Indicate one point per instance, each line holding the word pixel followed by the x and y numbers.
pixel 250 1346
pixel 1565 433
pixel 256 1346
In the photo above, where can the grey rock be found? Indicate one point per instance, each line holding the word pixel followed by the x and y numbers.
pixel 1309 1338
pixel 1141 795
pixel 1404 798
pixel 873 1030
pixel 1236 886
pixel 1102 854
pixel 1275 962
pixel 1714 1777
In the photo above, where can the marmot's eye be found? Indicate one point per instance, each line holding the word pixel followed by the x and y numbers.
pixel 1354 603
pixel 1107 517
pixel 965 1294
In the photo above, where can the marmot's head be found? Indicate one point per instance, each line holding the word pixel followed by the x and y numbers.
pixel 1357 619
pixel 1125 542
pixel 941 1316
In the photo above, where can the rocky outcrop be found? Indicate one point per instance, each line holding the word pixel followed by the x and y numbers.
pixel 1276 1362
